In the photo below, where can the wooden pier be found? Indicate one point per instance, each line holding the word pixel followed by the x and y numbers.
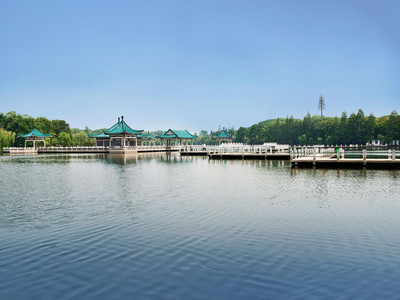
pixel 308 157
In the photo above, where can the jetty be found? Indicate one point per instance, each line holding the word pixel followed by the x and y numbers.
pixel 88 150
pixel 334 157
pixel 239 151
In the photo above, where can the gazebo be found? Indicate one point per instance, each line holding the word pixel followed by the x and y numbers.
pixel 223 137
pixel 146 138
pixel 176 137
pixel 35 136
pixel 121 135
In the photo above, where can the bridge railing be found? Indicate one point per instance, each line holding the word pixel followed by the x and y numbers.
pixel 18 149
pixel 15 148
pixel 161 148
pixel 77 148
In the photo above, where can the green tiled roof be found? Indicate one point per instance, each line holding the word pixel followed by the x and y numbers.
pixel 98 135
pixel 115 125
pixel 121 127
pixel 180 134
pixel 34 133
pixel 223 134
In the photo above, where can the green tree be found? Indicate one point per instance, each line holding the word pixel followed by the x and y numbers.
pixel 370 126
pixel 7 139
pixel 303 139
pixel 59 126
pixel 344 134
pixel 307 123
pixel 360 127
pixel 393 127
pixel 64 139
pixel 241 134
pixel 2 120
pixel 80 139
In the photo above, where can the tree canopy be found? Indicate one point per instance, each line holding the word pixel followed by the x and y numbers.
pixel 355 129
pixel 20 124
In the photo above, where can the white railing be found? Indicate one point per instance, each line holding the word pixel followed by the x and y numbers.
pixel 341 153
pixel 238 149
pixel 18 149
pixel 159 147
pixel 73 149
pixel 15 148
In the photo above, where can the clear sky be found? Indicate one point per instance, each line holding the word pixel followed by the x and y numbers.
pixel 197 64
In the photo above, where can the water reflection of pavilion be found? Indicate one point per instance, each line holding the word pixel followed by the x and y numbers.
pixel 134 158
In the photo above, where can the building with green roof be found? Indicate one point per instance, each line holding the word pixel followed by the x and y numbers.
pixel 102 140
pixel 146 138
pixel 176 137
pixel 223 136
pixel 35 136
pixel 120 135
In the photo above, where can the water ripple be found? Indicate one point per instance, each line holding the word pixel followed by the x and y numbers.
pixel 157 226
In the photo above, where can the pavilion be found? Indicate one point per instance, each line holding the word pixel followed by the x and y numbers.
pixel 102 140
pixel 35 136
pixel 176 137
pixel 120 135
pixel 223 137
pixel 146 138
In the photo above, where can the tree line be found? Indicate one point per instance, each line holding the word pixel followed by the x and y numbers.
pixel 13 124
pixel 354 129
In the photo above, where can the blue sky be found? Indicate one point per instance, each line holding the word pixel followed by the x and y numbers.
pixel 197 64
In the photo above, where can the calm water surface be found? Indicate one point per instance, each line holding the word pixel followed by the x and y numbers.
pixel 158 226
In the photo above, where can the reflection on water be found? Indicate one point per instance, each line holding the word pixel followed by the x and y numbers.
pixel 164 226
pixel 126 159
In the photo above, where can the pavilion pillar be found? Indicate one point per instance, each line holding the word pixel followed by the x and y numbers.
pixel 25 144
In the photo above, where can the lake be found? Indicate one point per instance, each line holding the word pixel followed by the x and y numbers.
pixel 158 226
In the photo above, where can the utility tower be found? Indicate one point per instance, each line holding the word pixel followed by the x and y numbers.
pixel 321 104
